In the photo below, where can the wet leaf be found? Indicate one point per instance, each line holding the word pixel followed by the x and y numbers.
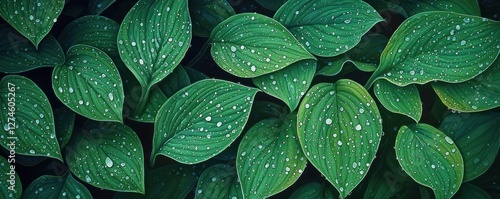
pixel 5 183
pixel 108 156
pixel 201 120
pixel 96 7
pixel 206 14
pixel 431 158
pixel 27 120
pixel 155 101
pixel 387 6
pixel 65 122
pixel 195 75
pixel 471 191
pixel 175 81
pixel 315 190
pixel 328 28
pixel 288 84
pixel 89 84
pixel 269 157
pixel 477 136
pixel 340 129
pixel 273 5
pixel 33 19
pixel 401 100
pixel 18 55
pixel 56 187
pixel 219 181
pixel 469 7
pixel 458 48
pixel 249 45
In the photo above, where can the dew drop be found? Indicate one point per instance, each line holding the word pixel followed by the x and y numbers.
pixel 448 139
pixel 328 121
pixel 110 95
pixel 358 127
pixel 109 162
pixel 208 119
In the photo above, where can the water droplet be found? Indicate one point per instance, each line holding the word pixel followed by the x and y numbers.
pixel 347 21
pixel 448 139
pixel 433 166
pixel 358 127
pixel 110 95
pixel 87 178
pixel 328 121
pixel 233 49
pixel 41 115
pixel 208 119
pixel 253 68
pixel 463 42
pixel 109 162
pixel 32 151
pixel 339 143
pixel 6 127
pixel 219 124
pixel 70 90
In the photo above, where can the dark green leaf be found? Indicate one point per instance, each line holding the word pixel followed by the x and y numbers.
pixel 387 6
pixel 96 7
pixel 64 121
pixel 155 101
pixel 175 81
pixel 402 100
pixel 195 75
pixel 10 183
pixel 56 187
pixel 314 190
pixel 469 7
pixel 273 5
pixel 219 181
pixel 468 191
pixel 206 14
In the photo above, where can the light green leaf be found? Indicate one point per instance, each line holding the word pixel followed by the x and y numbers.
pixel 328 28
pixel 269 157
pixel 401 100
pixel 206 14
pixel 467 191
pixel 65 122
pixel 288 84
pixel 457 48
pixel 219 181
pixel 33 19
pixel 249 45
pixel 431 158
pixel 89 84
pixel 340 129
pixel 152 40
pixel 56 187
pixel 96 7
pixel 18 55
pixel 469 7
pixel 315 190
pixel 201 120
pixel 478 94
pixel 272 5
pixel 477 136
pixel 108 156
pixel 10 183
pixel 28 121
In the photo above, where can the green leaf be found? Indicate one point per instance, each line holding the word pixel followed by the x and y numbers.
pixel 314 190
pixel 201 120
pixel 12 187
pixel 175 81
pixel 89 84
pixel 96 7
pixel 108 156
pixel 328 28
pixel 401 100
pixel 431 158
pixel 155 101
pixel 206 14
pixel 387 6
pixel 18 55
pixel 269 157
pixel 340 129
pixel 249 45
pixel 478 94
pixel 33 19
pixel 470 191
pixel 195 75
pixel 219 181
pixel 170 181
pixel 56 187
pixel 457 48
pixel 27 119
pixel 272 5
pixel 288 84
pixel 469 7
pixel 477 136
pixel 65 122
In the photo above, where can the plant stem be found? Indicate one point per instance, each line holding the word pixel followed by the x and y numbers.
pixel 200 54
pixel 142 101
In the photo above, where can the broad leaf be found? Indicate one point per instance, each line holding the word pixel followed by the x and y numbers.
pixel 201 120
pixel 96 7
pixel 270 158
pixel 33 19
pixel 316 191
pixel 273 5
pixel 431 158
pixel 469 7
pixel 206 14
pixel 28 121
pixel 156 99
pixel 65 122
pixel 467 191
pixel 288 84
pixel 457 48
pixel 387 6
pixel 478 94
pixel 249 45
pixel 219 181
pixel 17 54
pixel 10 183
pixel 175 81
pixel 328 28
pixel 56 187
pixel 89 84
pixel 478 137
pixel 401 100
pixel 340 129
pixel 195 75
pixel 108 156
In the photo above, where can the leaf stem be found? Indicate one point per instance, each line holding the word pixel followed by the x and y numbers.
pixel 142 101
pixel 200 54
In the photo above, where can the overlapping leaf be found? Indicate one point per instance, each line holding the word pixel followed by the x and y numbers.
pixel 7 190
pixel 314 190
pixel 64 123
pixel 469 7
pixel 273 5
pixel 56 187
pixel 468 190
pixel 96 7
pixel 206 14
pixel 219 181
pixel 402 100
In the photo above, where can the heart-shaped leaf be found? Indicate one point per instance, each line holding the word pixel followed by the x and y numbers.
pixel 269 157
pixel 201 120
pixel 273 5
pixel 469 7
pixel 96 7
pixel 431 158
pixel 328 28
pixel 288 84
pixel 10 183
pixel 219 181
pixel 477 136
pixel 459 47
pixel 340 128
pixel 17 54
pixel 249 45
pixel 28 121
pixel 315 190
pixel 206 14
pixel 55 187
pixel 89 84
pixel 108 156
pixel 33 19
pixel 402 100
pixel 65 122
pixel 478 94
